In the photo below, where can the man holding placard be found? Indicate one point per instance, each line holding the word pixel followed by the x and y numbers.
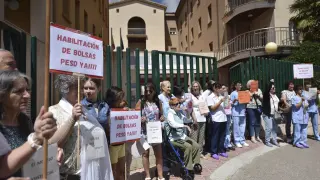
pixel 311 95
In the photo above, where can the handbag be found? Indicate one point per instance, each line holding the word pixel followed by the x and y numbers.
pixel 259 108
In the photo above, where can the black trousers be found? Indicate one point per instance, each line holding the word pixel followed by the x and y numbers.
pixel 208 134
pixel 218 137
pixel 70 177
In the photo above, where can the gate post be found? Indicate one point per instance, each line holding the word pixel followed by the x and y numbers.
pixel 155 70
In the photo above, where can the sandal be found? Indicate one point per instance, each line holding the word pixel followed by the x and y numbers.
pixel 147 178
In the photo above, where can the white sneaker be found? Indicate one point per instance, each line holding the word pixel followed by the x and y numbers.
pixel 245 144
pixel 238 145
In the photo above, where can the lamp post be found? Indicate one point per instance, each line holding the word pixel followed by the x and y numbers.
pixel 271 47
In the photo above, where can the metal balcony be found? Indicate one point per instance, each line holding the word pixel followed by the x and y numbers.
pixel 236 7
pixel 254 41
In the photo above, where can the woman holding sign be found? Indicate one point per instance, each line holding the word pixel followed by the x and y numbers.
pixel 254 111
pixel 151 112
pixel 115 99
pixel 17 145
pixel 94 154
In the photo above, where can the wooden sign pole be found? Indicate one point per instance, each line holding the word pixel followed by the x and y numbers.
pixel 46 85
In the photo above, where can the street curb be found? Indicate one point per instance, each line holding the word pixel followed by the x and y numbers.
pixel 232 166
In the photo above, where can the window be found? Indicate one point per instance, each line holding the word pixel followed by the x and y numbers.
pixel 211 46
pixel 186 49
pixel 199 26
pixel 173 49
pixel 77 14
pixel 117 10
pixel 173 31
pixel 181 45
pixel 292 30
pixel 191 8
pixel 185 18
pixel 93 29
pixel 85 22
pixel 181 23
pixel 66 9
pixel 187 39
pixel 154 11
pixel 192 36
pixel 209 14
pixel 100 8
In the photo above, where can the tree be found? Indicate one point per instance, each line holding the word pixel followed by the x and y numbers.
pixel 307 18
pixel 308 52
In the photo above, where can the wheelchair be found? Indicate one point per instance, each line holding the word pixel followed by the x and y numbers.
pixel 174 157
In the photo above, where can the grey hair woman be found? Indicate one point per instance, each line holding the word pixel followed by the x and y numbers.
pixel 94 154
pixel 17 140
pixel 199 127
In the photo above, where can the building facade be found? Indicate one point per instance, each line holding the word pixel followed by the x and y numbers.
pixel 22 20
pixel 234 30
pixel 140 24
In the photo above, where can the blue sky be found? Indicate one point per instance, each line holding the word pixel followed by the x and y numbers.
pixel 171 4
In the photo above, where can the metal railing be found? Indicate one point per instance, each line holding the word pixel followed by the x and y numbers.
pixel 256 39
pixel 139 31
pixel 233 4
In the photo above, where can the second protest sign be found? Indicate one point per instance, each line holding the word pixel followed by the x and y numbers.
pixel 125 126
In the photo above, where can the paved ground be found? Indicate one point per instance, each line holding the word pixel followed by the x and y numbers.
pixel 209 165
pixel 285 163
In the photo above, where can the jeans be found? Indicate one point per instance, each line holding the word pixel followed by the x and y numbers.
pixel 288 119
pixel 191 150
pixel 300 133
pixel 218 137
pixel 227 142
pixel 254 122
pixel 239 127
pixel 314 121
pixel 270 128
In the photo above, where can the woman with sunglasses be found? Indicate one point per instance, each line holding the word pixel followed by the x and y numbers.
pixel 151 111
pixel 269 108
pixel 179 139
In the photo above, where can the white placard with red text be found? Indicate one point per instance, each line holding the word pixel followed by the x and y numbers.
pixel 303 71
pixel 74 52
pixel 125 126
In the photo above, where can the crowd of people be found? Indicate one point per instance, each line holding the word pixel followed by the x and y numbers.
pixel 202 124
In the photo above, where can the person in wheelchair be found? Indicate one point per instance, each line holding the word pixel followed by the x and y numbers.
pixel 176 134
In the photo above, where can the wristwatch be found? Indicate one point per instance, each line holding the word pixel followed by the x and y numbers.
pixel 31 141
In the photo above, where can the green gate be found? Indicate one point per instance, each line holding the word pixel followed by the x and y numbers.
pixel 264 69
pixel 156 66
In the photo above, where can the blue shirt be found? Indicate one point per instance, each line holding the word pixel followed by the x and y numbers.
pixel 237 109
pixel 299 115
pixel 313 108
pixel 101 107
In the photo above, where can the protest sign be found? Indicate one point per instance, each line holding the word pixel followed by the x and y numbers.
pixel 74 52
pixel 33 168
pixel 313 92
pixel 125 126
pixel 154 132
pixel 243 97
pixel 302 71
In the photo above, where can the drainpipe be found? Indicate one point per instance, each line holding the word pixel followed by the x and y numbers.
pixel 218 24
pixel 189 46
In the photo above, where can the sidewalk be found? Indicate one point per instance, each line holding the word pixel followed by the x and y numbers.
pixel 209 165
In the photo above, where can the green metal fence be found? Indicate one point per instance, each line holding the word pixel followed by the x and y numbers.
pixel 156 66
pixel 264 69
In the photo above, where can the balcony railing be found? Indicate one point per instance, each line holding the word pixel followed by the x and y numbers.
pixel 257 39
pixel 136 31
pixel 233 4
